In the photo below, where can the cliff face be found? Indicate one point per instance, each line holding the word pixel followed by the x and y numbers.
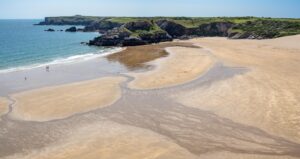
pixel 172 28
pixel 101 26
pixel 72 20
pixel 131 34
pixel 142 32
pixel 214 29
pixel 128 31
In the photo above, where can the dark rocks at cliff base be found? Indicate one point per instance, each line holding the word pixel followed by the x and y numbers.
pixel 113 37
pixel 133 41
pixel 172 28
pixel 72 29
pixel 50 30
pixel 155 37
pixel 123 37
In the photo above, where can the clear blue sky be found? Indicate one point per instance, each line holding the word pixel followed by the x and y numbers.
pixel 28 9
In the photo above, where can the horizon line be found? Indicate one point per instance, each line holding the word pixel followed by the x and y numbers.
pixel 152 17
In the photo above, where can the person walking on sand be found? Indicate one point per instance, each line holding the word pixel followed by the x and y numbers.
pixel 25 78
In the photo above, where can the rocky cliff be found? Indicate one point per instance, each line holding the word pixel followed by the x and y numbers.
pixel 131 34
pixel 128 31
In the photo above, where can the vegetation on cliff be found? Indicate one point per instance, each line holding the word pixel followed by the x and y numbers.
pixel 125 31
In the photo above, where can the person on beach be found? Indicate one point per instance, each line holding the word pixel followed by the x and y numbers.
pixel 25 78
pixel 47 68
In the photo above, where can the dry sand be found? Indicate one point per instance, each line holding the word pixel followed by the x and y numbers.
pixel 109 140
pixel 267 97
pixel 66 100
pixel 182 65
pixel 3 106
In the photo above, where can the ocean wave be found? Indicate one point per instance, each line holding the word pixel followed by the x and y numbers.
pixel 70 59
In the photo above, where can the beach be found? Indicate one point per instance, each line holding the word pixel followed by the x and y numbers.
pixel 3 106
pixel 198 98
pixel 46 104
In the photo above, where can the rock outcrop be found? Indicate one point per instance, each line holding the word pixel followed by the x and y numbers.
pixel 138 25
pixel 50 30
pixel 124 37
pixel 172 28
pixel 72 29
pixel 211 29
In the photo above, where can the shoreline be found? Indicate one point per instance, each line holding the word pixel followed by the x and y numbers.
pixel 62 61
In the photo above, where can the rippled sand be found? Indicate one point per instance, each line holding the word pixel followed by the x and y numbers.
pixel 66 100
pixel 182 65
pixel 109 140
pixel 267 96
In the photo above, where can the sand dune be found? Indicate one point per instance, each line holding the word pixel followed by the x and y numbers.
pixel 182 65
pixel 62 101
pixel 3 106
pixel 268 96
pixel 109 140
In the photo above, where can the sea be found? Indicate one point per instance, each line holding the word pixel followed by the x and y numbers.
pixel 24 45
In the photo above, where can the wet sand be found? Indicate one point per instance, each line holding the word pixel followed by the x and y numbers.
pixel 59 74
pixel 66 100
pixel 109 140
pixel 136 57
pixel 242 102
pixel 3 106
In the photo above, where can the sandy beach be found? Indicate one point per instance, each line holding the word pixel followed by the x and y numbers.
pixel 182 65
pixel 3 106
pixel 63 101
pixel 268 93
pixel 111 140
pixel 222 99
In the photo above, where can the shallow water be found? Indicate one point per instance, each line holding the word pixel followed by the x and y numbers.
pixel 25 45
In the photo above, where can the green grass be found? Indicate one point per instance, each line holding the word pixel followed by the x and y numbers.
pixel 260 26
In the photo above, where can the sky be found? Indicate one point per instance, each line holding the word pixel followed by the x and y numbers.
pixel 38 9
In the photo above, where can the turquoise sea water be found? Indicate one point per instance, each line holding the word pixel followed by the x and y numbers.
pixel 24 46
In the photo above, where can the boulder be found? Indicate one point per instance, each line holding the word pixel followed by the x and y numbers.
pixel 50 30
pixel 72 29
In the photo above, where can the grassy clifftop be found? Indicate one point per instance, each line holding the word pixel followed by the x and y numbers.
pixel 240 27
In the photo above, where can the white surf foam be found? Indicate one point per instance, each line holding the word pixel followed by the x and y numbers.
pixel 71 59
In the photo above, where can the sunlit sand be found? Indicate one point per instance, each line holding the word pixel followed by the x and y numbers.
pixel 62 101
pixel 183 65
